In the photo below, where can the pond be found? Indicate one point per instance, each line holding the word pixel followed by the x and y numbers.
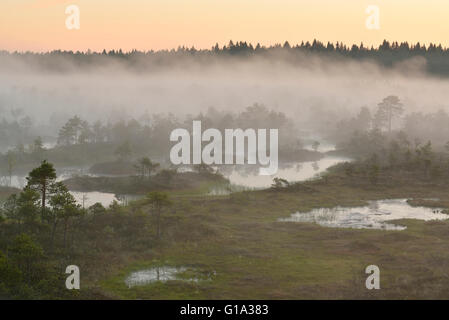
pixel 248 176
pixel 373 216
pixel 324 146
pixel 85 199
pixel 165 273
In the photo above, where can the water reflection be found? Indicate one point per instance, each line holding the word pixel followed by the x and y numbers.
pixel 165 273
pixel 248 176
pixel 372 216
pixel 13 181
pixel 85 199
pixel 323 146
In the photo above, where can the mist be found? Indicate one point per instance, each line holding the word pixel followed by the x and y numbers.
pixel 312 88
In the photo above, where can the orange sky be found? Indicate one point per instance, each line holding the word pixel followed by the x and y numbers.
pixel 39 25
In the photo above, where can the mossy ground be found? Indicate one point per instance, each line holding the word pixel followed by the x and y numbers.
pixel 257 257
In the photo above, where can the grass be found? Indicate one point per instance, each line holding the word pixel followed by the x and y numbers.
pixel 238 239
pixel 189 183
pixel 256 257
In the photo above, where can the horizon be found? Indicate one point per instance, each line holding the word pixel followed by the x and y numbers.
pixel 39 26
pixel 345 46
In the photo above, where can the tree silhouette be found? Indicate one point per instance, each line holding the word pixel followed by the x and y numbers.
pixel 26 254
pixel 40 179
pixel 158 201
pixel 63 207
pixel 123 151
pixel 387 54
pixel 146 166
pixel 389 108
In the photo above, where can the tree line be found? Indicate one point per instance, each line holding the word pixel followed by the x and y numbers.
pixel 389 120
pixel 387 53
pixel 151 132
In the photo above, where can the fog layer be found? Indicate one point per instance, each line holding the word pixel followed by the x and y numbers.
pixel 320 89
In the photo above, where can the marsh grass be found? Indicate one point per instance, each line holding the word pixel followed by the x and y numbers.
pixel 256 257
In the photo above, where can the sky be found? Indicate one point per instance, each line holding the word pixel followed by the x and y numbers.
pixel 40 25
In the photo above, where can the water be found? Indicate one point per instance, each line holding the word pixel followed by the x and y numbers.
pixel 227 189
pixel 163 274
pixel 248 176
pixel 219 191
pixel 324 146
pixel 90 198
pixel 49 145
pixel 19 181
pixel 87 199
pixel 373 216
pixel 13 181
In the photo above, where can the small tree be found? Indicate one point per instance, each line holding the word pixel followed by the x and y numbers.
pixel 69 133
pixel 86 134
pixel 315 145
pixel 167 176
pixel 203 168
pixel 96 208
pixel 389 108
pixel 373 169
pixel 374 173
pixel 150 166
pixel 279 183
pixel 146 166
pixel 10 276
pixel 10 207
pixel 63 207
pixel 426 155
pixel 11 158
pixel 123 151
pixel 23 207
pixel 28 205
pixel 158 201
pixel 41 179
pixel 27 255
pixel 140 167
pixel 38 146
pixel 349 169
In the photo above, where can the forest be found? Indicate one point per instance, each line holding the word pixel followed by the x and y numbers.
pixel 387 53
